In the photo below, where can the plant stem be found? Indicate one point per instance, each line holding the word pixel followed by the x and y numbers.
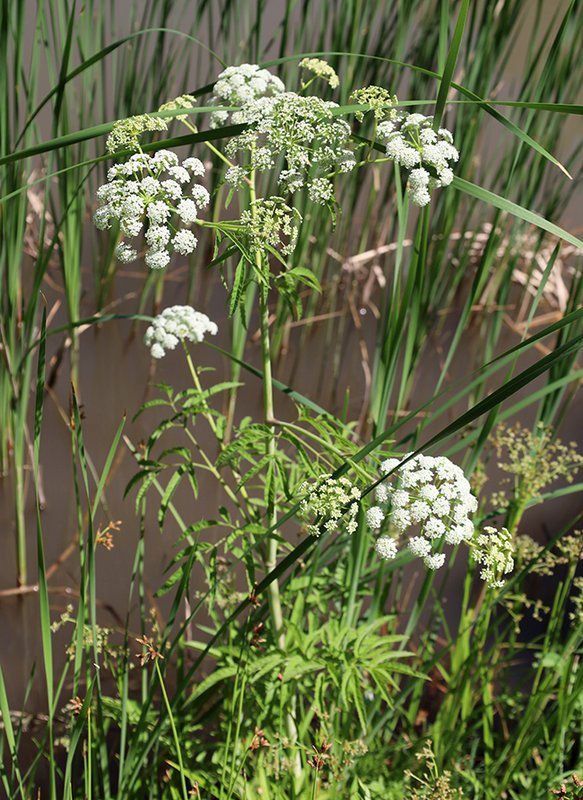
pixel 208 464
pixel 273 594
pixel 174 732
pixel 273 588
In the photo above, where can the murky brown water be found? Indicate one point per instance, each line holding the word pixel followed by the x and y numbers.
pixel 114 370
pixel 114 381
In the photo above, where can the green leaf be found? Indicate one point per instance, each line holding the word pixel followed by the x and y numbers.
pixel 454 49
pixel 305 276
pixel 238 290
pixel 503 204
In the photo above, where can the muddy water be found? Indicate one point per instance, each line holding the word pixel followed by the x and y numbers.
pixel 114 380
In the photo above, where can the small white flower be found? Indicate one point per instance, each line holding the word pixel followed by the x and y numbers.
pixel 386 547
pixel 102 218
pixel 157 259
pixel 456 534
pixel 187 211
pixel 125 253
pixel 441 507
pixel 157 236
pixel 418 187
pixel 417 147
pixel 149 187
pixel 448 490
pixel 419 511
pixel 164 159
pixel 385 129
pixel 132 206
pixel 400 498
pixel 200 196
pixel 235 176
pixel 241 84
pixel 401 519
pixel 302 131
pixel 494 550
pixel 130 226
pixel 174 324
pixel 419 546
pixel 320 190
pixel 435 561
pixel 382 493
pixel 184 242
pixel 434 528
pixel 172 189
pixel 180 174
pixel 329 504
pixel 137 192
pixel 446 176
pixel 389 465
pixel 431 494
pixel 401 152
pixel 375 517
pixel 158 212
pixel 195 166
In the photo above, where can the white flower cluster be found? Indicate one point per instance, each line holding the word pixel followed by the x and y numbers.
pixel 154 190
pixel 329 501
pixel 271 222
pixel 412 143
pixel 303 131
pixel 236 86
pixel 175 324
pixel 432 494
pixel 494 550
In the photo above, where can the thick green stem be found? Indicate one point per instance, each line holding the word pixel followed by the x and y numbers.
pixel 273 589
pixel 273 595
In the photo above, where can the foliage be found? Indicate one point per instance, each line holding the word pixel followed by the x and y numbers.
pixel 293 661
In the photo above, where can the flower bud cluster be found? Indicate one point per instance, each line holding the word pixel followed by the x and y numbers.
pixel 272 223
pixel 183 101
pixel 321 69
pixel 494 550
pixel 175 324
pixel 412 143
pixel 429 494
pixel 125 134
pixel 329 501
pixel 305 133
pixel 380 102
pixel 154 191
pixel 236 86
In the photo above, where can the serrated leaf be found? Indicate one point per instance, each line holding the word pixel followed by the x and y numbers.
pixel 221 257
pixel 148 481
pixel 149 404
pixel 305 276
pixel 238 289
pixel 169 491
pixel 138 477
pixel 221 387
